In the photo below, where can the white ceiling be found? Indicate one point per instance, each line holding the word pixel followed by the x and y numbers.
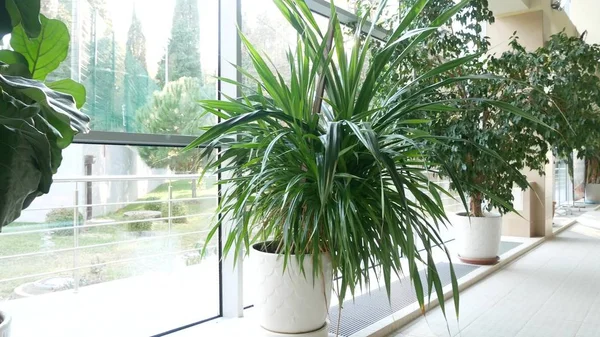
pixel 585 14
pixel 501 7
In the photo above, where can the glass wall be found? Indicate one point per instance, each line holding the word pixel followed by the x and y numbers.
pixel 118 238
pixel 113 249
pixel 119 233
pixel 144 66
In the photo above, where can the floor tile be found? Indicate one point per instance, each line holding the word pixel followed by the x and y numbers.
pixel 553 291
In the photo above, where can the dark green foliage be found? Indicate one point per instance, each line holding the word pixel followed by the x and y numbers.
pixel 24 13
pixel 175 110
pixel 184 44
pixel 37 119
pixel 5 24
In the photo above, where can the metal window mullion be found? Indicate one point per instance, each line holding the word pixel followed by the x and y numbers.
pixel 323 8
pixel 133 139
pixel 230 52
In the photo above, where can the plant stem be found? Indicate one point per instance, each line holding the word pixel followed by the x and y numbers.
pixel 592 166
pixel 475 207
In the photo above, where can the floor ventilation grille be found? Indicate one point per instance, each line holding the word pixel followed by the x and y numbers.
pixel 370 308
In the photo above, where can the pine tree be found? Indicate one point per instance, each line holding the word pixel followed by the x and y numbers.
pixel 175 110
pixel 184 45
pixel 137 82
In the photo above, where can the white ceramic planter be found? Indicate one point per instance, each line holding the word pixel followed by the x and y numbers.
pixel 290 302
pixel 592 193
pixel 478 239
pixel 5 325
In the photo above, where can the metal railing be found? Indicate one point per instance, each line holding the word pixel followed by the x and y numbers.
pixel 80 224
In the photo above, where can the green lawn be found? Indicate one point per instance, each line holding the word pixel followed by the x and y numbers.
pixel 124 244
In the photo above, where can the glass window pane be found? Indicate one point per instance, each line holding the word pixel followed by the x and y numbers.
pixel 114 241
pixel 145 66
pixel 270 33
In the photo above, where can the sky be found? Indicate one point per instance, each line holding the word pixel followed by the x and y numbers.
pixel 156 15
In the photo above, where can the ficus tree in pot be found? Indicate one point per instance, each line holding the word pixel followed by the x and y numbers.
pixel 325 173
pixel 567 68
pixel 490 137
pixel 38 118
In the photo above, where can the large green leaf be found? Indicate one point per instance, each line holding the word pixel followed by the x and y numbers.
pixel 23 12
pixel 5 24
pixel 23 167
pixel 53 137
pixel 72 88
pixel 61 110
pixel 45 52
pixel 12 57
pixel 13 64
pixel 27 14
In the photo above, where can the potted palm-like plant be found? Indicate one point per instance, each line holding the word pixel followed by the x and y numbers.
pixel 38 118
pixel 326 173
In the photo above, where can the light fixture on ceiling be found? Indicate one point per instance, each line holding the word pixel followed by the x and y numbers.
pixel 557 5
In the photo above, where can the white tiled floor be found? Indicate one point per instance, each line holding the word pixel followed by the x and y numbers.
pixel 553 290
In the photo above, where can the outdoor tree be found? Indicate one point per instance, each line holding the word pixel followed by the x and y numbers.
pixel 137 84
pixel 175 110
pixel 182 57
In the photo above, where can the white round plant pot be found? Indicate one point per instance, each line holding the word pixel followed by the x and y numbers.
pixel 290 302
pixel 4 324
pixel 478 239
pixel 592 193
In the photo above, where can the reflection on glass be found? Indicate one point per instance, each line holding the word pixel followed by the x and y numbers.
pixel 142 64
pixel 119 230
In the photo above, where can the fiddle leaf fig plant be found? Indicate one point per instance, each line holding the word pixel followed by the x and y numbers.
pixel 38 118
pixel 20 12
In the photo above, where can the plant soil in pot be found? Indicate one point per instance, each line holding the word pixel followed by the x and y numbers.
pixel 290 301
pixel 478 238
pixel 5 321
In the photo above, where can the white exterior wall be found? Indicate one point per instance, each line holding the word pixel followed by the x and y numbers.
pixel 109 160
